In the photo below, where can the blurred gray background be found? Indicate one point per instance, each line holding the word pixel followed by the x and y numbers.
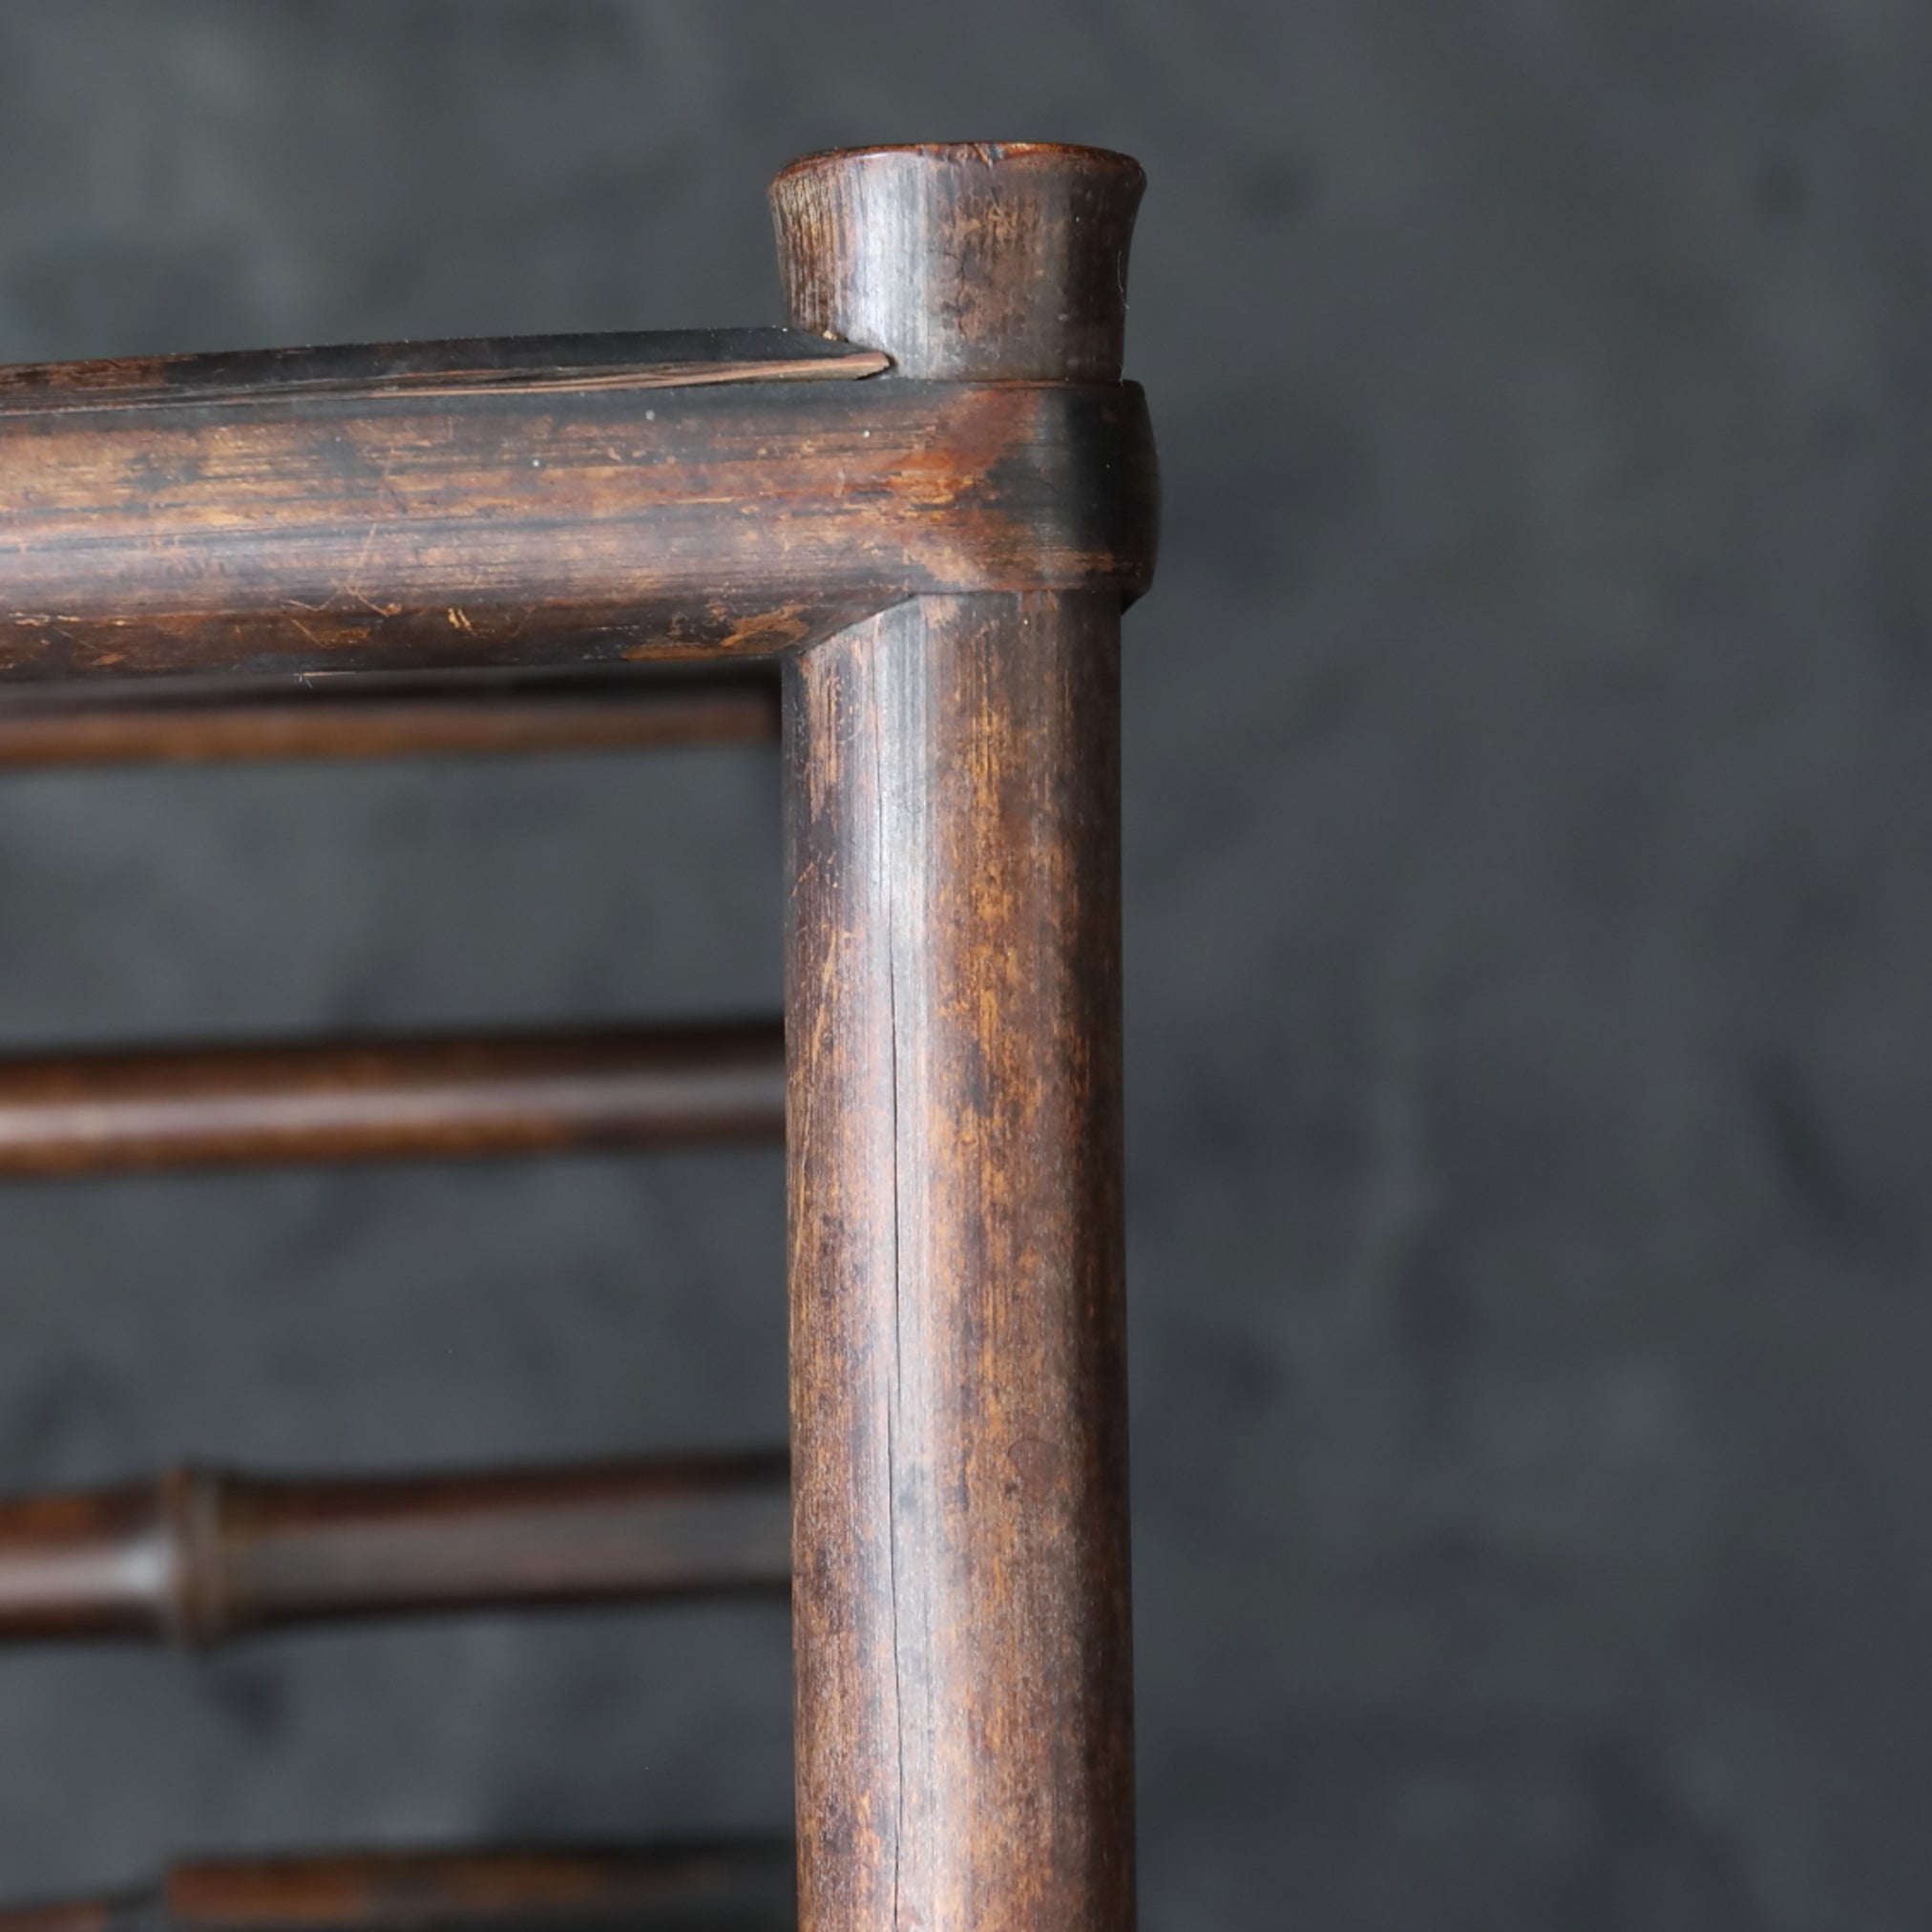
pixel 1529 862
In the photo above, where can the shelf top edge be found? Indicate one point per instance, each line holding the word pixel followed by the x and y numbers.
pixel 665 359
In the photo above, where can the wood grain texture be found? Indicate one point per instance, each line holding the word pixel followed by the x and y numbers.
pixel 208 722
pixel 201 1557
pixel 669 358
pixel 375 529
pixel 715 1885
pixel 437 1097
pixel 959 1537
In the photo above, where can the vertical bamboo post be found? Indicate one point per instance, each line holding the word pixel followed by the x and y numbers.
pixel 964 1738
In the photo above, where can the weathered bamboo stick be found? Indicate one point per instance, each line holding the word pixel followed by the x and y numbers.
pixel 536 365
pixel 201 1557
pixel 733 1885
pixel 960 1612
pixel 190 722
pixel 461 506
pixel 394 1099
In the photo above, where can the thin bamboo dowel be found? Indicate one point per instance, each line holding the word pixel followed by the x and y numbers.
pixel 399 1098
pixel 734 1885
pixel 201 1557
pixel 348 718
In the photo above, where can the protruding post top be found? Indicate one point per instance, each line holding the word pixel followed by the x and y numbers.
pixel 1066 155
pixel 966 262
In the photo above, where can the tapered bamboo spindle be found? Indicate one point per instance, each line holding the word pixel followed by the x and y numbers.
pixel 959 1407
pixel 201 1557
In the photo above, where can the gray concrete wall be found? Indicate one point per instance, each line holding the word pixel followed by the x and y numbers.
pixel 1530 888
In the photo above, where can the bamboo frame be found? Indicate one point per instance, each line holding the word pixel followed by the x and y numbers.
pixel 936 526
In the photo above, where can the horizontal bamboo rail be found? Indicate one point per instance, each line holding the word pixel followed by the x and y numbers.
pixel 201 1557
pixel 399 1099
pixel 194 721
pixel 734 1885
pixel 462 506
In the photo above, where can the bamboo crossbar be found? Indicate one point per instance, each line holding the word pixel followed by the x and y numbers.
pixel 201 1557
pixel 412 513
pixel 398 1099
pixel 198 722
pixel 732 1885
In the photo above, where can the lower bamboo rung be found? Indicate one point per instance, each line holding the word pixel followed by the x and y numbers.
pixel 343 717
pixel 734 1885
pixel 391 1100
pixel 201 1557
